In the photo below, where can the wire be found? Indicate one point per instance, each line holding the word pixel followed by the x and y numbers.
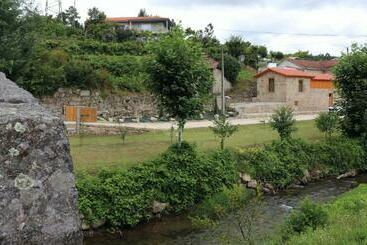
pixel 296 34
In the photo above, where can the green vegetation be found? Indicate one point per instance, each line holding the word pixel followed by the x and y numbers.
pixel 283 122
pixel 223 129
pixel 181 177
pixel 327 122
pixel 284 162
pixel 346 222
pixel 232 68
pixel 179 77
pixel 91 153
pixel 352 87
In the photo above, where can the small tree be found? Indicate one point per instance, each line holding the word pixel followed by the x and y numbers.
pixel 179 77
pixel 223 129
pixel 327 122
pixel 283 122
pixel 351 74
pixel 232 68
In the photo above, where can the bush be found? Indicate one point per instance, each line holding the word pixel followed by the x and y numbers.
pixel 283 122
pixel 309 216
pixel 342 154
pixel 327 122
pixel 232 68
pixel 284 162
pixel 181 177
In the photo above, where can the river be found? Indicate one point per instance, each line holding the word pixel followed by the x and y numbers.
pixel 272 211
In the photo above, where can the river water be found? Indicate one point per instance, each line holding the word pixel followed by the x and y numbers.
pixel 271 212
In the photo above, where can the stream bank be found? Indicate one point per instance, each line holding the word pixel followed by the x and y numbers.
pixel 178 229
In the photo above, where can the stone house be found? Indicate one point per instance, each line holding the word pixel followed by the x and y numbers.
pixel 303 91
pixel 154 24
pixel 309 66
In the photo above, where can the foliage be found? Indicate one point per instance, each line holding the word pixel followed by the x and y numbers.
pixel 350 73
pixel 232 68
pixel 179 76
pixel 342 154
pixel 181 177
pixel 70 17
pixel 142 13
pixel 347 222
pixel 284 162
pixel 283 122
pixel 309 216
pixel 223 128
pixel 276 55
pixel 236 46
pixel 327 122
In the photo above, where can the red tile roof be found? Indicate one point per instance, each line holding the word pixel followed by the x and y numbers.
pixel 137 19
pixel 323 77
pixel 287 72
pixel 314 64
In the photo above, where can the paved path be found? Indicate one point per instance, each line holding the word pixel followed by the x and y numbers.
pixel 190 124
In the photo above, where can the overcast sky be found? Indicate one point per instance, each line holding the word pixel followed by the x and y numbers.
pixel 264 22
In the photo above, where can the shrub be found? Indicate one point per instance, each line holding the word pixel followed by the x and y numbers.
pixel 283 122
pixel 232 68
pixel 228 200
pixel 223 129
pixel 181 177
pixel 327 122
pixel 309 216
pixel 341 154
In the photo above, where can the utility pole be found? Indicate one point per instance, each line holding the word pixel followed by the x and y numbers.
pixel 53 7
pixel 223 92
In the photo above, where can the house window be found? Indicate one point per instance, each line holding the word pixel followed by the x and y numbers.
pixel 300 86
pixel 271 85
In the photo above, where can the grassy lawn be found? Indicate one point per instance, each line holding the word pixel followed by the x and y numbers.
pixel 91 153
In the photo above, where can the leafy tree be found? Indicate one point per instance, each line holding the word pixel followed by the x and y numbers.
pixel 262 51
pixel 70 17
pixel 142 13
pixel 283 122
pixel 223 129
pixel 351 73
pixel 327 122
pixel 236 46
pixel 231 68
pixel 179 76
pixel 95 16
pixel 276 55
pixel 303 54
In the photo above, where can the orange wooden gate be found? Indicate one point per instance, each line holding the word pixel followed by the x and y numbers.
pixel 86 114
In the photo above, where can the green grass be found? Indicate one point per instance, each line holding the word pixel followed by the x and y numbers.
pixel 92 153
pixel 347 223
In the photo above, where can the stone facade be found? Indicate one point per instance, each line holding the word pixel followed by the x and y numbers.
pixel 38 198
pixel 286 91
pixel 110 106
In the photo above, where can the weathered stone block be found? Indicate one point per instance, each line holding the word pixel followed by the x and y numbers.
pixel 38 199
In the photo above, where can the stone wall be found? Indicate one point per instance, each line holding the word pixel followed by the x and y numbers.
pixel 110 106
pixel 38 198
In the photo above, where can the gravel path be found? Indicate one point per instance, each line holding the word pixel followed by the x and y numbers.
pixel 189 124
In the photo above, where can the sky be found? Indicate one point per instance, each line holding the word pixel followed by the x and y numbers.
pixel 320 26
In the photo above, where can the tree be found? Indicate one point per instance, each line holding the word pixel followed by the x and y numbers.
pixel 276 55
pixel 351 82
pixel 142 13
pixel 231 68
pixel 262 51
pixel 223 129
pixel 327 122
pixel 236 46
pixel 95 16
pixel 283 122
pixel 179 76
pixel 9 27
pixel 70 17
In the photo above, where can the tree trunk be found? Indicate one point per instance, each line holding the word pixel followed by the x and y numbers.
pixel 222 144
pixel 181 125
